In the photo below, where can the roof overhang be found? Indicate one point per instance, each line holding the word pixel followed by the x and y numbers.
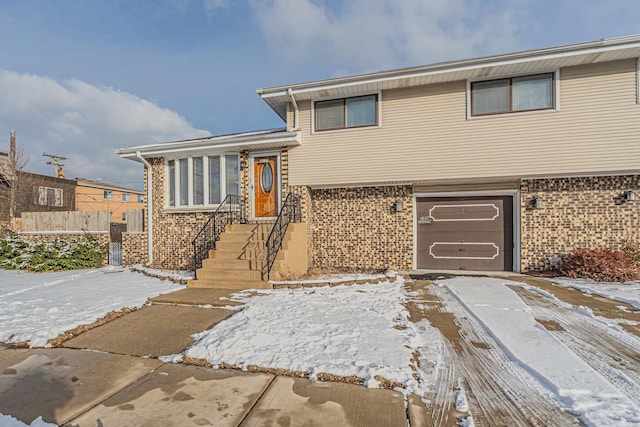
pixel 248 141
pixel 526 62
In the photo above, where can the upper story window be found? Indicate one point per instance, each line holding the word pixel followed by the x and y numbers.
pixel 510 95
pixel 108 195
pixel 125 197
pixel 48 196
pixel 140 198
pixel 202 180
pixel 346 113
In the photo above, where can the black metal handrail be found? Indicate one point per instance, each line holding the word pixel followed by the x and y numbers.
pixel 230 211
pixel 289 213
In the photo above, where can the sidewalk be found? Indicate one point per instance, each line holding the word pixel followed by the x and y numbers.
pixel 109 384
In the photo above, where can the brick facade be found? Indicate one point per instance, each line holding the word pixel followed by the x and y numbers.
pixel 134 248
pixel 577 213
pixel 358 228
pixel 172 232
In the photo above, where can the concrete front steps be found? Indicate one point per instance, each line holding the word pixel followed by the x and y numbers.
pixel 239 260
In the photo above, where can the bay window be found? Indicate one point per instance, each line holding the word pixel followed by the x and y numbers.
pixel 199 181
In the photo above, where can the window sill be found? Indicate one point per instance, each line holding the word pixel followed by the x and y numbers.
pixel 515 113
pixel 187 209
pixel 349 129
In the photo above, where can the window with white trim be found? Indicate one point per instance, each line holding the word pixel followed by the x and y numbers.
pixel 108 194
pixel 125 197
pixel 202 180
pixel 48 196
pixel 346 113
pixel 514 94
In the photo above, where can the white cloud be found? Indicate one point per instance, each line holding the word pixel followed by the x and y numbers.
pixel 378 34
pixel 85 123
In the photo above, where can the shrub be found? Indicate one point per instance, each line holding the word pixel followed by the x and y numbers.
pixel 602 264
pixel 17 253
pixel 632 249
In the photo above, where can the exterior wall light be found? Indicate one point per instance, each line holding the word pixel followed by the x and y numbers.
pixel 398 205
pixel 537 203
pixel 629 196
pixel 243 165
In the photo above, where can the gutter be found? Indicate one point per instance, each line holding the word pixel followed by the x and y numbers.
pixel 295 108
pixel 149 207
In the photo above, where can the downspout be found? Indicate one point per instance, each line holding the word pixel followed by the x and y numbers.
pixel 295 108
pixel 149 208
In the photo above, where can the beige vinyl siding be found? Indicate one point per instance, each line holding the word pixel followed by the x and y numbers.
pixel 426 136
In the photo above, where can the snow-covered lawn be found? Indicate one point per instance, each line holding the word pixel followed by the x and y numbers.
pixel 39 307
pixel 624 292
pixel 358 330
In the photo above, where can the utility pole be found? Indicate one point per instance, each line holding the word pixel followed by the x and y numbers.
pixel 57 164
pixel 14 178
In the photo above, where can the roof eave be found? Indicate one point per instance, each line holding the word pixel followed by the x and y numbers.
pixel 451 67
pixel 281 139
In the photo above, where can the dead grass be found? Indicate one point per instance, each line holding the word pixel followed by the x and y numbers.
pixel 340 379
pixel 314 273
pixel 196 362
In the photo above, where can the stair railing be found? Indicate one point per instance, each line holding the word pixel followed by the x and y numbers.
pixel 230 211
pixel 289 213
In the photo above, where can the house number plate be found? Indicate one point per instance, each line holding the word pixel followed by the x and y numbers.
pixel 424 220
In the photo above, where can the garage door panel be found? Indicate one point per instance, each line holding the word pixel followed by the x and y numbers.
pixel 465 233
pixel 461 212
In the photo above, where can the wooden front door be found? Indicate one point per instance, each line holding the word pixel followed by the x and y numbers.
pixel 265 179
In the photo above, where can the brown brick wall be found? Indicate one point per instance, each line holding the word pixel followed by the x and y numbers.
pixel 172 232
pixel 586 212
pixel 134 248
pixel 358 228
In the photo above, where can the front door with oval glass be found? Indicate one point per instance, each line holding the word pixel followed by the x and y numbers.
pixel 265 187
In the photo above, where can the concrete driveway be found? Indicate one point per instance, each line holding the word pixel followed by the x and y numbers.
pixel 108 377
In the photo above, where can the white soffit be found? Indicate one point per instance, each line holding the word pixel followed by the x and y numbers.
pixel 250 141
pixel 501 65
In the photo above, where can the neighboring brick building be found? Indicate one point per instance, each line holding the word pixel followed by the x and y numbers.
pixel 499 163
pixel 34 192
pixel 100 196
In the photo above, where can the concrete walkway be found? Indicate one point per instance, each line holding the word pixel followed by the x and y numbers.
pixel 107 384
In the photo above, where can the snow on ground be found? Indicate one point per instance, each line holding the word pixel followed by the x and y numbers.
pixel 176 275
pixel 359 330
pixel 507 319
pixel 39 307
pixel 338 278
pixel 9 421
pixel 628 292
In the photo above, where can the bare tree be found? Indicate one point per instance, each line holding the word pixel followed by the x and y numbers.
pixel 15 183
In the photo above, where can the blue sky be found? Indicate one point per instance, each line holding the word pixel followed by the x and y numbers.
pixel 81 78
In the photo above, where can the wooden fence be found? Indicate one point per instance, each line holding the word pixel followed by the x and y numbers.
pixel 66 221
pixel 135 220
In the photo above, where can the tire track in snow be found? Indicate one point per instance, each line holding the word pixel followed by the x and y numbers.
pixel 614 354
pixel 499 392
